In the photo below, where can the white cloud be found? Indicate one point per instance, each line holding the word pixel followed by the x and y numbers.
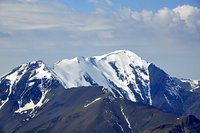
pixel 53 23
pixel 186 11
pixel 53 30
pixel 120 25
pixel 30 16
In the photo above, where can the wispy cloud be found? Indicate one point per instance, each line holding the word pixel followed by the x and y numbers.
pixel 35 25
pixel 55 24
pixel 36 15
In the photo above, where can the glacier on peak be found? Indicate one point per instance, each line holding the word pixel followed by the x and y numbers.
pixel 121 72
pixel 117 71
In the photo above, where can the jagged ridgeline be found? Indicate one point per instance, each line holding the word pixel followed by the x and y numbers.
pixel 116 86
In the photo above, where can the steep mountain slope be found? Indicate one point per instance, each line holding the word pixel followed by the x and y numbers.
pixel 24 91
pixel 126 75
pixel 94 109
pixel 122 72
pixel 26 86
pixel 166 93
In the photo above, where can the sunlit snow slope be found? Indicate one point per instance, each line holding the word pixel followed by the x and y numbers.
pixel 122 72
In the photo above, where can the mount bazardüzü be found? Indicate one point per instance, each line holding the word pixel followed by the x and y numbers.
pixel 116 92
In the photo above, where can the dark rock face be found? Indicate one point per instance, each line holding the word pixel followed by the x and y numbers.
pixel 3 87
pixel 170 96
pixel 32 99
pixel 93 109
pixel 164 91
pixel 187 124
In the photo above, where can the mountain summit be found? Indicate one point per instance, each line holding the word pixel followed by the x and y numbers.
pixel 29 88
pixel 122 72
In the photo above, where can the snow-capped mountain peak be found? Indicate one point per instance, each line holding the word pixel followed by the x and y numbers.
pixel 27 86
pixel 122 55
pixel 38 69
pixel 117 71
pixel 121 72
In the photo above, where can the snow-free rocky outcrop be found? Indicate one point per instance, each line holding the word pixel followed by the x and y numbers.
pixel 93 109
pixel 122 73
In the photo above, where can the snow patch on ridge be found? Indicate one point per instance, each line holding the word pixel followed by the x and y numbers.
pixel 92 102
pixel 126 118
pixel 195 84
pixel 41 73
pixel 31 105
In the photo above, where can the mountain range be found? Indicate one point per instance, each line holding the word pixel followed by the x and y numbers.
pixel 115 92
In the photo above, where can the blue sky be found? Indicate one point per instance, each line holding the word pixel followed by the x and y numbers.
pixel 165 32
pixel 153 5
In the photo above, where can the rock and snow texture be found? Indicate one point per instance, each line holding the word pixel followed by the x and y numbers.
pixel 193 85
pixel 121 72
pixel 124 73
pixel 26 86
